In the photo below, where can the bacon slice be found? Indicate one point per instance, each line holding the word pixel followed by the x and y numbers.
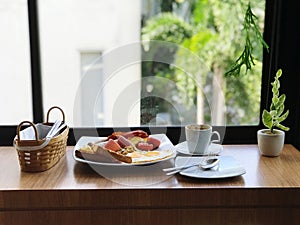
pixel 136 133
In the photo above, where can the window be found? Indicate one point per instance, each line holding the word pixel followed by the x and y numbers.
pixel 176 87
pixel 213 31
pixel 66 33
pixel 71 32
pixel 91 77
pixel 15 78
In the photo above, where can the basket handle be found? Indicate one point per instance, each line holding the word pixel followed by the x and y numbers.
pixel 31 124
pixel 55 107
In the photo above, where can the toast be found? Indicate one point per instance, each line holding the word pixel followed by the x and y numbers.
pixel 93 152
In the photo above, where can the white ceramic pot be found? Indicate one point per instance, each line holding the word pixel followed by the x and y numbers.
pixel 270 144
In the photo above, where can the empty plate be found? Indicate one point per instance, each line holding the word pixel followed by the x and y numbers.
pixel 228 167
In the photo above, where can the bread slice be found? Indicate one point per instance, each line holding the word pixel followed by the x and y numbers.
pixel 97 153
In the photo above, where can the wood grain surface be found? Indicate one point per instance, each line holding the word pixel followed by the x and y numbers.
pixel 76 193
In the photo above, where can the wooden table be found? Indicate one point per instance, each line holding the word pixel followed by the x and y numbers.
pixel 74 193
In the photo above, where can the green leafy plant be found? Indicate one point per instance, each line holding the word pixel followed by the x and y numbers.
pixel 275 116
pixel 252 35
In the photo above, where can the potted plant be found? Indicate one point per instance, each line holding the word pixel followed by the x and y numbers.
pixel 271 140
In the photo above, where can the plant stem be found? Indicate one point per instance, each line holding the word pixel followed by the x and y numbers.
pixel 252 32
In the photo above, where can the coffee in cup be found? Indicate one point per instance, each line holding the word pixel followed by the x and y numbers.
pixel 199 137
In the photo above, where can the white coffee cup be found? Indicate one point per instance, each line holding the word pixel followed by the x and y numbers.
pixel 199 137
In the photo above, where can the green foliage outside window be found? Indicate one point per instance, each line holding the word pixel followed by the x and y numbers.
pixel 215 31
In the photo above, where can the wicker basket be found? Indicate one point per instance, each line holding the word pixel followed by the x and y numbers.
pixel 32 158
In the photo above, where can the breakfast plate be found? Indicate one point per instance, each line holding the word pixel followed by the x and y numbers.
pixel 213 149
pixel 165 152
pixel 228 167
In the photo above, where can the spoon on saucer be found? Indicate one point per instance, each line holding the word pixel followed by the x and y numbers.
pixel 204 164
pixel 209 163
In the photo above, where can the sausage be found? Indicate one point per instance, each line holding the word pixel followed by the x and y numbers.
pixel 145 146
pixel 112 145
pixel 155 142
pixel 123 142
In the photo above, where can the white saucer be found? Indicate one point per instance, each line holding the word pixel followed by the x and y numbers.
pixel 213 149
pixel 228 167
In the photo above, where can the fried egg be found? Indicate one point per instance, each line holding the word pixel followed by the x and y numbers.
pixel 149 156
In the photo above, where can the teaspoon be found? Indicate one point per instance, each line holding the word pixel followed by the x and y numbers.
pixel 205 164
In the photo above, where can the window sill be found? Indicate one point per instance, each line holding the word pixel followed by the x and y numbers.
pixel 270 186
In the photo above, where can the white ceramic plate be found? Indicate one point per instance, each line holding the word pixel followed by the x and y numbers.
pixel 228 167
pixel 213 149
pixel 166 148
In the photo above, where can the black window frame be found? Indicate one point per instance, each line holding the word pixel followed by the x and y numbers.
pixel 280 32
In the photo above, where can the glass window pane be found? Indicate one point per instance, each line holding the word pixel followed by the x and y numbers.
pixel 15 78
pixel 214 32
pixel 95 66
pixel 69 30
pixel 91 80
